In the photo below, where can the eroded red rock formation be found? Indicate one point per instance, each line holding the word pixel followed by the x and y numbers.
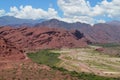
pixel 9 51
pixel 34 38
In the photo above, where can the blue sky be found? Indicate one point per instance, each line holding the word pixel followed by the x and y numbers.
pixel 44 4
pixel 88 11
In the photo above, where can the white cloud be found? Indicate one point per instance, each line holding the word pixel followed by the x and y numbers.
pixel 2 12
pixel 28 12
pixel 74 7
pixel 83 19
pixel 109 9
pixel 101 21
pixel 73 11
pixel 83 11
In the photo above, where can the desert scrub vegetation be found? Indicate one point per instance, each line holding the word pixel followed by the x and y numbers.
pixel 113 49
pixel 45 57
pixel 82 75
pixel 51 59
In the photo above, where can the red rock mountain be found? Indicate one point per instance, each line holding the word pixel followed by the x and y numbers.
pixel 99 33
pixel 35 38
pixel 9 51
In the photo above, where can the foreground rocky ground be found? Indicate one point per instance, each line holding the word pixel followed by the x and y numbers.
pixel 27 70
pixel 9 51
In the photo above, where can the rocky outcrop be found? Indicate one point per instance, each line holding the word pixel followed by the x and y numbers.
pixel 35 38
pixel 9 51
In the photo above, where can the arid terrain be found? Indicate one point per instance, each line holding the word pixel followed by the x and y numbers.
pixel 15 43
pixel 28 70
pixel 59 39
pixel 89 60
pixel 28 53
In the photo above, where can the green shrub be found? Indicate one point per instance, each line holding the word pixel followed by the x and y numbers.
pixel 45 57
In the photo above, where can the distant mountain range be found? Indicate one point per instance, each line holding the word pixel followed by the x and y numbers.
pixel 108 32
pixel 99 33
pixel 12 21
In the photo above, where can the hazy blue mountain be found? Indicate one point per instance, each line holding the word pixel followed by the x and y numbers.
pixel 12 21
pixel 62 24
